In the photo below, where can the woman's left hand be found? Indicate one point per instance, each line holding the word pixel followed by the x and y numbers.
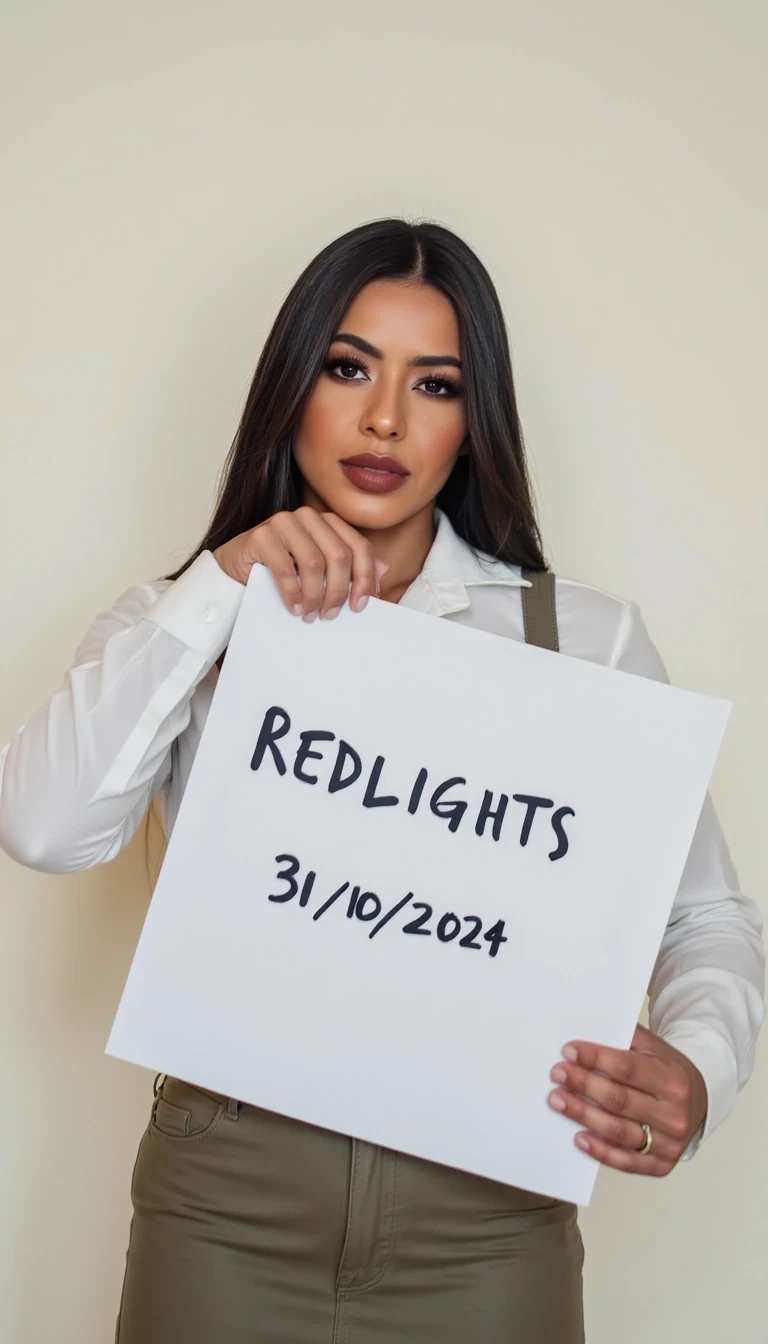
pixel 650 1082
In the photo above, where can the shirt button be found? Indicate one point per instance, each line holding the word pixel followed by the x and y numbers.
pixel 210 613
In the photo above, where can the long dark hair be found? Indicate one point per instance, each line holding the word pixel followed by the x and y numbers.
pixel 487 496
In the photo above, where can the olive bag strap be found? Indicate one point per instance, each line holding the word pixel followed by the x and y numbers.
pixel 539 609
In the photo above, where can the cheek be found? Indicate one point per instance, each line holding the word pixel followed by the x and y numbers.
pixel 437 436
pixel 325 426
pixel 319 414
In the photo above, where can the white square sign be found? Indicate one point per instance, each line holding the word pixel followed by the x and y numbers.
pixel 412 860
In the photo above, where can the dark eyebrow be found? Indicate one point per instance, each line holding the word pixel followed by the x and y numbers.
pixel 421 361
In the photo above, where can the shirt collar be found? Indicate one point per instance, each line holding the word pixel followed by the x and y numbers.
pixel 451 567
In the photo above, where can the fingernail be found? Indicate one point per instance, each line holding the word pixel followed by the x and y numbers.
pixel 330 615
pixel 361 602
pixel 297 609
pixel 310 616
pixel 570 1052
pixel 582 1142
pixel 558 1075
pixel 381 567
pixel 557 1101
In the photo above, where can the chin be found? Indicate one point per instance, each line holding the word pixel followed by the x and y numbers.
pixel 372 511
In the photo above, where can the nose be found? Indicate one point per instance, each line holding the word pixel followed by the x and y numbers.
pixel 384 413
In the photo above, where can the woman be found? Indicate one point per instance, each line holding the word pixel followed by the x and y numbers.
pixel 379 453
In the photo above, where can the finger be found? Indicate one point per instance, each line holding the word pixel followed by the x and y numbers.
pixel 633 1068
pixel 628 1103
pixel 644 1039
pixel 649 1164
pixel 365 581
pixel 338 560
pixel 617 1130
pixel 273 554
pixel 308 558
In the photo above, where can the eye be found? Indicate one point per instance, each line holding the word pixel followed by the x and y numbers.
pixel 447 387
pixel 331 365
pixel 441 387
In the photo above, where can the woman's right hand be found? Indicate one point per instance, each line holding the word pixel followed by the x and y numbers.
pixel 317 560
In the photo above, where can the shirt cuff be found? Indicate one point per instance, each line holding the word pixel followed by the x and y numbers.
pixel 715 1061
pixel 200 607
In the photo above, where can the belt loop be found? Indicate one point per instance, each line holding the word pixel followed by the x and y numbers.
pixel 156 1092
pixel 233 1107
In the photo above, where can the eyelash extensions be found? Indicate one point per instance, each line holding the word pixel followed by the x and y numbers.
pixel 452 387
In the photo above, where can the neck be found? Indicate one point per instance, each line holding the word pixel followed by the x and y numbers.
pixel 405 547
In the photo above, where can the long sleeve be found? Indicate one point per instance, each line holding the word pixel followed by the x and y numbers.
pixel 77 777
pixel 706 993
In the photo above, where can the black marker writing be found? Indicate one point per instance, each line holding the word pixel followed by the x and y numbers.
pixel 344 768
pixel 368 907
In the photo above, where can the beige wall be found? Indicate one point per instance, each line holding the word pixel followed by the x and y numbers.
pixel 167 170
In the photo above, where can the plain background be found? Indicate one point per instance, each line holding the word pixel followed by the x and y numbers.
pixel 168 169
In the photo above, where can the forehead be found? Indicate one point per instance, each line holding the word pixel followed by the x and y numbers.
pixel 398 315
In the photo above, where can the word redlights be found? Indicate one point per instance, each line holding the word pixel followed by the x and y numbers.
pixel 348 767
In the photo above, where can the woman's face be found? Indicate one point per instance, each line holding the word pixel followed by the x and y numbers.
pixel 387 417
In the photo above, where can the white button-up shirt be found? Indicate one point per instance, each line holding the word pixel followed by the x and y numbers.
pixel 78 776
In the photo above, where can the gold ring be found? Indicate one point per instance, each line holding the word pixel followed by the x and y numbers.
pixel 646 1148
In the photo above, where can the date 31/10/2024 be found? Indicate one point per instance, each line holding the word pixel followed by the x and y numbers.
pixel 368 908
